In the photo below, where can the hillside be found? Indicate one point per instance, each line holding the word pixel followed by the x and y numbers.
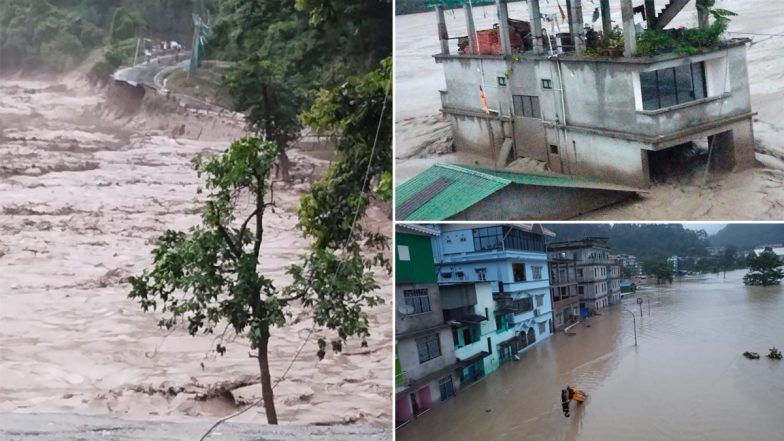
pixel 746 236
pixel 642 240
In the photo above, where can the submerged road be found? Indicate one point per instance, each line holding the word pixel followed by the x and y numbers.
pixel 69 427
pixel 686 379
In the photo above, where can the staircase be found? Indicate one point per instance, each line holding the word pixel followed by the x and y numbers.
pixel 669 12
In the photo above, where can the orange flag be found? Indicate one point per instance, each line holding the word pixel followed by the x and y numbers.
pixel 484 100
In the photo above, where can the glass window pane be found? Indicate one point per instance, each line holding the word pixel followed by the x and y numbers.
pixel 698 79
pixel 536 111
pixel 650 93
pixel 527 106
pixel 518 104
pixel 683 82
pixel 667 94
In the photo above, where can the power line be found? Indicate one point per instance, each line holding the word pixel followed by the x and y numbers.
pixel 757 33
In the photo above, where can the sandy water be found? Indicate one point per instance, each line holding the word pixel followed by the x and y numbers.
pixel 84 194
pixel 422 133
pixel 686 379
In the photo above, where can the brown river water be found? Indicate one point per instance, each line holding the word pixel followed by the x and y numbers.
pixel 84 194
pixel 686 379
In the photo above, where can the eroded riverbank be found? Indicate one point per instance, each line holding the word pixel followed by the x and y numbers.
pixel 686 380
pixel 84 193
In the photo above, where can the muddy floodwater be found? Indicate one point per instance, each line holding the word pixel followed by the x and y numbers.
pixel 85 192
pixel 686 380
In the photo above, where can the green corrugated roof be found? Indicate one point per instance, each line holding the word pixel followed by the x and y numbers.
pixel 445 190
pixel 467 187
pixel 529 179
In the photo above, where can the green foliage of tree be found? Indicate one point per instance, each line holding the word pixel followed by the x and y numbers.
pixel 764 269
pixel 659 268
pixel 209 275
pixel 127 23
pixel 285 51
pixel 359 116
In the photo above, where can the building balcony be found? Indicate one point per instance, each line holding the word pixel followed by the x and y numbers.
pixel 563 302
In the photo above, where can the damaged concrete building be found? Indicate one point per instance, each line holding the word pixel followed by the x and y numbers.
pixel 514 91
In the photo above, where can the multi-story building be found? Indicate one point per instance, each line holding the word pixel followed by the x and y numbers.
pixel 482 331
pixel 598 279
pixel 425 360
pixel 517 91
pixel 563 291
pixel 614 283
pixel 513 259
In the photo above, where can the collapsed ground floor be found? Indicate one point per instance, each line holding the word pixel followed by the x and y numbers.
pixel 613 157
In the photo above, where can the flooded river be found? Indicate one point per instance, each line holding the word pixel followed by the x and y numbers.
pixel 84 194
pixel 686 380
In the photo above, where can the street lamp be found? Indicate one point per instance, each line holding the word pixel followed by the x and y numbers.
pixel 635 325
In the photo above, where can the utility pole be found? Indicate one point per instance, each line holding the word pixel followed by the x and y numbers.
pixel 634 322
pixel 136 54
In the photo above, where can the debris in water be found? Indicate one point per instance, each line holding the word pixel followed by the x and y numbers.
pixel 751 355
pixel 774 354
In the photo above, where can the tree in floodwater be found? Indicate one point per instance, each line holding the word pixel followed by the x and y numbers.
pixel 659 268
pixel 764 269
pixel 209 275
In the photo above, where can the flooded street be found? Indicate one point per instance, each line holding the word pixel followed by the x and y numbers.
pixel 423 135
pixel 686 380
pixel 84 194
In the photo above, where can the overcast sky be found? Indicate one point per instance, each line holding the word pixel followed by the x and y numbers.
pixel 711 228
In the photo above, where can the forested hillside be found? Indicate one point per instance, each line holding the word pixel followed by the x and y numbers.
pixel 746 236
pixel 56 35
pixel 642 240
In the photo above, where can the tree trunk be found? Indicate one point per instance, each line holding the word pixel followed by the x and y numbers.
pixel 283 163
pixel 266 382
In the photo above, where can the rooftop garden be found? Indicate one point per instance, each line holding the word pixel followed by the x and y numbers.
pixel 684 41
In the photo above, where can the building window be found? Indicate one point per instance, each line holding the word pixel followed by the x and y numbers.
pixel 428 347
pixel 446 387
pixel 490 238
pixel 502 81
pixel 672 86
pixel 539 300
pixel 417 299
pixel 580 272
pixel 536 272
pixel 553 149
pixel 541 328
pixel 481 273
pixel 403 254
pixel 547 84
pixel 526 106
pixel 581 290
pixel 518 272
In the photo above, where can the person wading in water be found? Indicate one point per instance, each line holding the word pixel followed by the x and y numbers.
pixel 569 394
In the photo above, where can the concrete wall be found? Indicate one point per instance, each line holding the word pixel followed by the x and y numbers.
pixel 409 356
pixel 524 202
pixel 414 322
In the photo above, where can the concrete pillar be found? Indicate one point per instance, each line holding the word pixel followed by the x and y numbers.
pixel 629 33
pixel 469 16
pixel 443 36
pixel 606 20
pixel 536 25
pixel 503 24
pixel 578 28
pixel 569 16
pixel 733 149
pixel 650 13
pixel 702 18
